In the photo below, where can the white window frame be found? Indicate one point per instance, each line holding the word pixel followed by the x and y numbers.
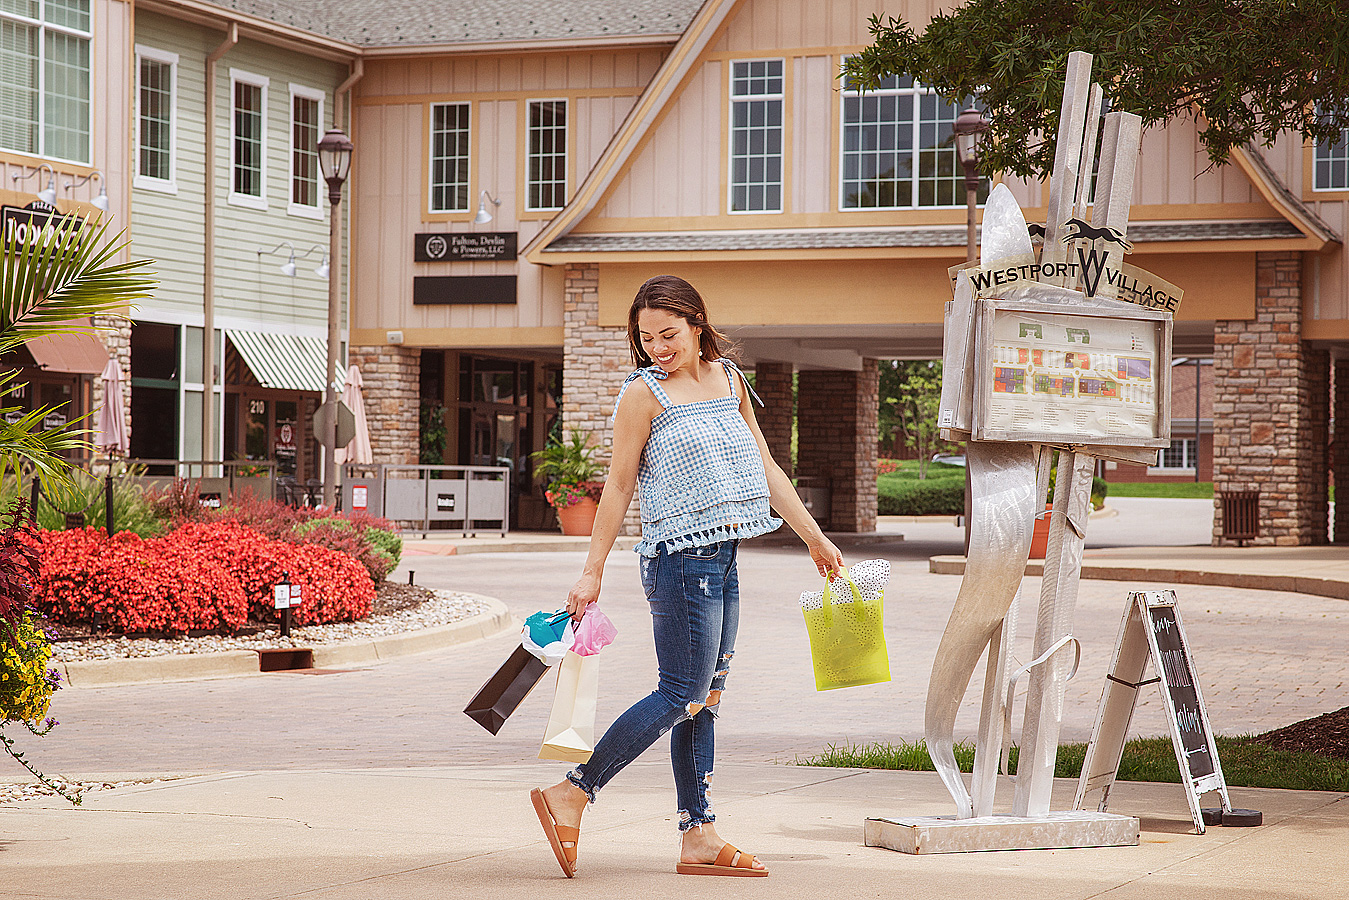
pixel 239 76
pixel 1343 144
pixel 566 153
pixel 169 185
pixel 293 208
pixel 732 99
pixel 43 27
pixel 431 160
pixel 1190 452
pixel 917 91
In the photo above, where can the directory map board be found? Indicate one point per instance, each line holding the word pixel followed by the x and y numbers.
pixel 1049 375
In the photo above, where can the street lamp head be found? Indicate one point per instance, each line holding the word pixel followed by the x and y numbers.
pixel 969 128
pixel 335 160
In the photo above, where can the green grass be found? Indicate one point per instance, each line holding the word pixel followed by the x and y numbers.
pixel 1245 762
pixel 1185 490
pixel 908 471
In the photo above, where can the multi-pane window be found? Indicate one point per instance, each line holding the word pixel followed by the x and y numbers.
pixel 248 139
pixel 155 87
pixel 756 135
pixel 44 77
pixel 1332 163
pixel 306 122
pixel 1180 455
pixel 449 157
pixel 547 154
pixel 899 150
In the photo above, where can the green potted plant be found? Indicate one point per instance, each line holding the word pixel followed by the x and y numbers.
pixel 570 470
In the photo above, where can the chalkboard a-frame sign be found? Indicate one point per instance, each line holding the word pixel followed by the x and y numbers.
pixel 1152 630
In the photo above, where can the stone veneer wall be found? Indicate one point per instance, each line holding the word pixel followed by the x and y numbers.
pixel 836 436
pixel 773 384
pixel 1340 447
pixel 115 334
pixel 595 360
pixel 1271 410
pixel 391 375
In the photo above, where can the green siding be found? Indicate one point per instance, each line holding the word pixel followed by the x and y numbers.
pixel 250 291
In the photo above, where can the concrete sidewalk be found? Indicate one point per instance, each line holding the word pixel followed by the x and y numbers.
pixel 470 832
pixel 1320 571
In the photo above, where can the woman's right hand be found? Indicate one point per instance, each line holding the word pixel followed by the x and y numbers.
pixel 585 592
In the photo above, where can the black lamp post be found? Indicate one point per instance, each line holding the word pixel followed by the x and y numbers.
pixel 969 128
pixel 335 161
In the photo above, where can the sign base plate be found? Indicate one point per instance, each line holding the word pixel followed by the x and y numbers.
pixel 1052 831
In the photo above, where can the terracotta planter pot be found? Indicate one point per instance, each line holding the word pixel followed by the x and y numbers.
pixel 579 518
pixel 1039 540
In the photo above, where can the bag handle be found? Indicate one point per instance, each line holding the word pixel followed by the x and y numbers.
pixel 857 605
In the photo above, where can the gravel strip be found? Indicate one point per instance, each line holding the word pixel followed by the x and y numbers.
pixel 14 792
pixel 445 608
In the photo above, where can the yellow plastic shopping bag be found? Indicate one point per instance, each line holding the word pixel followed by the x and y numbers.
pixel 847 639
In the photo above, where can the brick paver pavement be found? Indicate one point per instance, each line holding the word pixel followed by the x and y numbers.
pixel 1264 658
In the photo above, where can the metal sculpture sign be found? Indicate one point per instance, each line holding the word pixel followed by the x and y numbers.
pixel 1040 353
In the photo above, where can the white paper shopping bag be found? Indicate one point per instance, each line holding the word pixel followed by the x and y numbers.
pixel 570 736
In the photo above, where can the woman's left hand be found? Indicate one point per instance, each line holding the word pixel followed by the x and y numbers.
pixel 828 559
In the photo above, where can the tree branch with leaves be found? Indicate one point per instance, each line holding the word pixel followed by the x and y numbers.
pixel 1248 70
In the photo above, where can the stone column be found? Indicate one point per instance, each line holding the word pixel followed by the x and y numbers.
pixel 391 376
pixel 595 360
pixel 773 383
pixel 1340 447
pixel 836 435
pixel 1270 410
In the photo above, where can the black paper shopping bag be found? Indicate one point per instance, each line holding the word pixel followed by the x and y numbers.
pixel 502 693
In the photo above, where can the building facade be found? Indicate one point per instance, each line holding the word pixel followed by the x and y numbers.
pixel 522 167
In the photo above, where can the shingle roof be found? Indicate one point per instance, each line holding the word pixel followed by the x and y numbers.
pixel 947 236
pixel 379 23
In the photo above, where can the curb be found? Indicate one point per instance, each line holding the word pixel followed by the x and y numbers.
pixel 234 663
pixel 1126 571
pixel 506 545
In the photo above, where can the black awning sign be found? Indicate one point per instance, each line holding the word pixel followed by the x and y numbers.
pixel 443 290
pixel 465 247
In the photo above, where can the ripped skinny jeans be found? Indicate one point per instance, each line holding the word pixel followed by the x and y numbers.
pixel 695 608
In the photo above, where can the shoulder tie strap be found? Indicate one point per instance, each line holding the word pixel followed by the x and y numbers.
pixel 650 378
pixel 731 371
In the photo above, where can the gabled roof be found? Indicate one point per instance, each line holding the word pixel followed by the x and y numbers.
pixel 1249 160
pixel 392 23
pixel 668 81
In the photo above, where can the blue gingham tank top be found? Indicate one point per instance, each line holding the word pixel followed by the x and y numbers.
pixel 700 479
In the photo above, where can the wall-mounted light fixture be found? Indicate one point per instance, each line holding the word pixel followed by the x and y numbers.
pixel 483 216
pixel 101 201
pixel 289 267
pixel 48 194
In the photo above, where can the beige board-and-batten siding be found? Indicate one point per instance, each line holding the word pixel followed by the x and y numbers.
pixel 392 118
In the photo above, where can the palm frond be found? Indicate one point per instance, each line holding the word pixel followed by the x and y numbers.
pixel 52 278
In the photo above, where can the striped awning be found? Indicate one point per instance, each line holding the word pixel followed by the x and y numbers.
pixel 284 361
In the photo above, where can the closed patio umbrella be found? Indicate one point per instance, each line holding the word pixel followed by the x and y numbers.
pixel 358 451
pixel 112 434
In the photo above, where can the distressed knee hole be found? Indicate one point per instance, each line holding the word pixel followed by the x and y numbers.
pixel 694 708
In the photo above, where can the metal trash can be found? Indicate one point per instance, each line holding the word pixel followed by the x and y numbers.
pixel 1241 515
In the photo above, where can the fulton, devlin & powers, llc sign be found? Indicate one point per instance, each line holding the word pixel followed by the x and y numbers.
pixel 485 246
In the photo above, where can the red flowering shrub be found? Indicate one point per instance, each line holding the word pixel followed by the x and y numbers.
pixel 335 587
pixel 135 585
pixel 208 576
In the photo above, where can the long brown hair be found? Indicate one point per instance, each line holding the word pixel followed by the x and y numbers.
pixel 677 297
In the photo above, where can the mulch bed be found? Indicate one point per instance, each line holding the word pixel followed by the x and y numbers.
pixel 1327 735
pixel 390 598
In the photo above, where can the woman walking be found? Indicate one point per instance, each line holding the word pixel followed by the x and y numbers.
pixel 686 437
